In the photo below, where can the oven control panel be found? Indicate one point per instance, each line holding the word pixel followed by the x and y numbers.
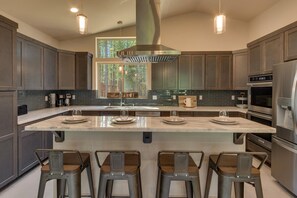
pixel 261 78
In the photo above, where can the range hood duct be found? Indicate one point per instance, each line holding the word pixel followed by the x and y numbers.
pixel 148 43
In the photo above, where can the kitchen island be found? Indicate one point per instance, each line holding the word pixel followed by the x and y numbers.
pixel 198 133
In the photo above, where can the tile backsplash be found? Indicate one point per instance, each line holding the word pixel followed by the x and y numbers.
pixel 36 99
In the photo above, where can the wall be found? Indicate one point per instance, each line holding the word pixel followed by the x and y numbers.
pixel 279 15
pixel 32 32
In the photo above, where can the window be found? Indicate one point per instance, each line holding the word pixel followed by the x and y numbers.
pixel 115 76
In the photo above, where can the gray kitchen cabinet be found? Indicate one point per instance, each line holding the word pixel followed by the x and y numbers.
pixel 32 66
pixel 83 70
pixel 28 142
pixel 66 65
pixel 240 70
pixel 264 53
pixel 191 71
pixel 19 63
pixel 7 54
pixel 8 137
pixel 165 75
pixel 50 69
pixel 218 71
pixel 290 44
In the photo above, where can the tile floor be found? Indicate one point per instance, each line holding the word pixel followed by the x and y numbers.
pixel 26 187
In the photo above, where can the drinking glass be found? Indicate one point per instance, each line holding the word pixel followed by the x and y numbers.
pixel 124 114
pixel 224 114
pixel 76 113
pixel 173 115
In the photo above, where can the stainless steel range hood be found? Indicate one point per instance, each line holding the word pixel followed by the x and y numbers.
pixel 148 43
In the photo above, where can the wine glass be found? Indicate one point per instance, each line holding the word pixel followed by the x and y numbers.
pixel 124 114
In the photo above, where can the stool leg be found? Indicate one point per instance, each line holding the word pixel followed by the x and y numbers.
pixel 102 186
pixel 196 187
pixel 109 187
pixel 139 184
pixel 208 181
pixel 74 185
pixel 132 184
pixel 42 183
pixel 239 189
pixel 158 184
pixel 90 178
pixel 224 187
pixel 258 188
pixel 165 186
pixel 61 185
pixel 189 189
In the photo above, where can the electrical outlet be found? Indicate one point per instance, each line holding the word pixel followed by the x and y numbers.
pixel 73 97
pixel 232 97
pixel 155 97
pixel 45 98
pixel 200 97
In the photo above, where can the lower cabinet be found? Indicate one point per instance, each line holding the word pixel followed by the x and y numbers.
pixel 28 142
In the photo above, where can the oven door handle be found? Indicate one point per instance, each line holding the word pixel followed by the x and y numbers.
pixel 266 117
pixel 260 84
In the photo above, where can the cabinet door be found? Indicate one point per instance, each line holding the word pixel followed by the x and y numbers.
pixel 171 75
pixel 28 143
pixel 19 63
pixel 225 72
pixel 83 71
pixel 211 72
pixel 50 65
pixel 66 70
pixel 33 66
pixel 7 56
pixel 8 137
pixel 291 44
pixel 157 75
pixel 184 71
pixel 255 64
pixel 272 52
pixel 240 70
pixel 197 72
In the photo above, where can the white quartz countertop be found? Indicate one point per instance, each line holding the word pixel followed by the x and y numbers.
pixel 48 112
pixel 150 124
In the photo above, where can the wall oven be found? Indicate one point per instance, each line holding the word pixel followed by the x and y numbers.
pixel 260 110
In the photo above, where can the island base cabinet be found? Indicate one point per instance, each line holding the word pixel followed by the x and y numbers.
pixel 8 159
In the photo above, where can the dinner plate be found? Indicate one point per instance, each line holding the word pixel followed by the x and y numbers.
pixel 174 121
pixel 75 120
pixel 121 121
pixel 224 121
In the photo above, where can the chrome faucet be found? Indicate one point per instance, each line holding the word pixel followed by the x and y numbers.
pixel 121 97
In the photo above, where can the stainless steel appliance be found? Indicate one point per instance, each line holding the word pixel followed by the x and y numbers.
pixel 260 110
pixel 284 144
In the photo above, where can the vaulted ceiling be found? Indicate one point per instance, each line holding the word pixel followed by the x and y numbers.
pixel 54 18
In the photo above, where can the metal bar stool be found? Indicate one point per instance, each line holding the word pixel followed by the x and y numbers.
pixel 178 166
pixel 235 167
pixel 119 165
pixel 65 166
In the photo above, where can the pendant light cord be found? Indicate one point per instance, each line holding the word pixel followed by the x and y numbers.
pixel 219 6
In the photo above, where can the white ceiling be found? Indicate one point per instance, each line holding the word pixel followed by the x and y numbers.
pixel 54 18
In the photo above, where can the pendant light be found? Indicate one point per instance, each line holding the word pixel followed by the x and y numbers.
pixel 220 22
pixel 82 21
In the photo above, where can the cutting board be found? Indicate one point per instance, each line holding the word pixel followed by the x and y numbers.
pixel 182 98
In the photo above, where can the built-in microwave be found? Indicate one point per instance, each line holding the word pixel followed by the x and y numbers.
pixel 260 94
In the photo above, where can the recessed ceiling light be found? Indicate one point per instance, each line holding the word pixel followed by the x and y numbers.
pixel 74 10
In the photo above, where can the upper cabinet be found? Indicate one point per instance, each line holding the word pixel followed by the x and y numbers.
pixel 66 62
pixel 83 70
pixel 165 75
pixel 50 69
pixel 264 53
pixel 7 54
pixel 240 70
pixel 191 70
pixel 218 71
pixel 291 44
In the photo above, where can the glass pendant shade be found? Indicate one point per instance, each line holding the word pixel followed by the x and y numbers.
pixel 220 24
pixel 82 23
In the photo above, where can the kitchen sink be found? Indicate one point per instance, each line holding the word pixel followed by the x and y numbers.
pixel 131 107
